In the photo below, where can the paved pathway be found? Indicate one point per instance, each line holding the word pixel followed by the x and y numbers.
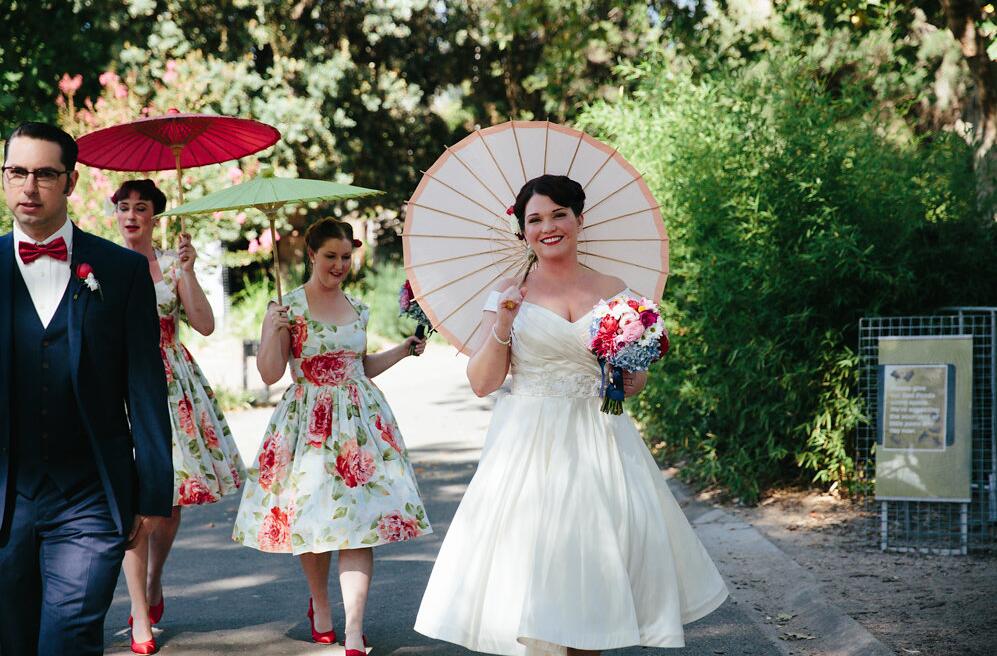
pixel 222 598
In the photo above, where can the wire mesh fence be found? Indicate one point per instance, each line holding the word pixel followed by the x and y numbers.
pixel 923 526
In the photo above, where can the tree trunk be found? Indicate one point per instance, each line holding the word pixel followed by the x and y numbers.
pixel 962 16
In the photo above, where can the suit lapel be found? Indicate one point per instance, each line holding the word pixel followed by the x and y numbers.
pixel 79 299
pixel 7 265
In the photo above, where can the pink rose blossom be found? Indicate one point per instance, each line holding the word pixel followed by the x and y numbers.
pixel 394 527
pixel 273 461
pixel 194 491
pixel 355 465
pixel 275 533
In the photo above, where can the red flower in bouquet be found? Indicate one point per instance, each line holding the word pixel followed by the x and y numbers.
pixel 326 369
pixel 405 296
pixel 299 333
pixel 395 527
pixel 193 491
pixel 386 433
pixel 320 423
pixel 273 460
pixel 355 465
pixel 167 330
pixel 185 409
pixel 275 533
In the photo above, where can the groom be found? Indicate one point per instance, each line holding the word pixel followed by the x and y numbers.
pixel 84 432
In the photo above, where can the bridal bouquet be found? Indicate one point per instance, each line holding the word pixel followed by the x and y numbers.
pixel 409 307
pixel 626 334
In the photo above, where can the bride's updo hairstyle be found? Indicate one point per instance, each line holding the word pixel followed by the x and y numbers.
pixel 559 188
pixel 146 190
pixel 328 228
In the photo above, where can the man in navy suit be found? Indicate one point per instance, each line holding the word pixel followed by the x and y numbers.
pixel 84 428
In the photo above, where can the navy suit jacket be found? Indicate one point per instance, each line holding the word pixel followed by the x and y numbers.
pixel 117 374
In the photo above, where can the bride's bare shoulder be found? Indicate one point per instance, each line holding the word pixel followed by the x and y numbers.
pixel 606 285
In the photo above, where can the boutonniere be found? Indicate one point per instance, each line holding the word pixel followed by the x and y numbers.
pixel 84 272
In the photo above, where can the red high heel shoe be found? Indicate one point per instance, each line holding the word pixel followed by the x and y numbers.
pixel 156 612
pixel 145 647
pixel 326 638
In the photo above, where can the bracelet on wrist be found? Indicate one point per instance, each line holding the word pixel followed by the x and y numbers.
pixel 503 342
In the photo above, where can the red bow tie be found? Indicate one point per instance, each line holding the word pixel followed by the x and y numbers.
pixel 56 249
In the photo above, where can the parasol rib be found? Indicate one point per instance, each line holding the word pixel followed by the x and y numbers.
pixel 483 288
pixel 599 170
pixel 519 152
pixel 461 257
pixel 467 275
pixel 491 239
pixel 462 194
pixel 583 241
pixel 495 161
pixel 628 263
pixel 474 175
pixel 546 139
pixel 574 155
pixel 462 218
pixel 632 180
pixel 621 216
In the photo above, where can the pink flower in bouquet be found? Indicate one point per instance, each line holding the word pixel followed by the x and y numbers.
pixel 327 369
pixel 355 465
pixel 395 527
pixel 631 329
pixel 275 533
pixel 193 491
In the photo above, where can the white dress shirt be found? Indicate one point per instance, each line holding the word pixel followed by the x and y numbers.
pixel 46 278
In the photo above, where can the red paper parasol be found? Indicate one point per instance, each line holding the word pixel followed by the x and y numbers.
pixel 174 141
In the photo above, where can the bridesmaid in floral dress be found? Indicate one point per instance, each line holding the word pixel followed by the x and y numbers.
pixel 332 473
pixel 206 463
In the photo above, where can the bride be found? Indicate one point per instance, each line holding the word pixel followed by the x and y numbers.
pixel 567 540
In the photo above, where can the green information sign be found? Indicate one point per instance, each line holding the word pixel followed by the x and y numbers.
pixel 924 444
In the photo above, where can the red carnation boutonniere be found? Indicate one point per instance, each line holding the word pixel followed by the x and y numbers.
pixel 84 272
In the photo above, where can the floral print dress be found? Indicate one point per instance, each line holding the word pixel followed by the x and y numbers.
pixel 206 463
pixel 332 472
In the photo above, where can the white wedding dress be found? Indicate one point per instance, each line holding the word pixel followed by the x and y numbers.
pixel 567 536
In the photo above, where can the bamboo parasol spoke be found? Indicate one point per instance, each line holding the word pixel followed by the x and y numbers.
pixel 474 175
pixel 578 145
pixel 467 275
pixel 621 216
pixel 483 288
pixel 519 151
pixel 629 239
pixel 461 257
pixel 440 236
pixel 546 140
pixel 462 194
pixel 462 218
pixel 484 142
pixel 599 170
pixel 630 182
pixel 615 259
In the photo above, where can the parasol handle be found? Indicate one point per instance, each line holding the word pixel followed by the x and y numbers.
pixel 176 158
pixel 276 257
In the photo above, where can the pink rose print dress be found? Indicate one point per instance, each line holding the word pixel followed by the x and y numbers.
pixel 206 463
pixel 332 472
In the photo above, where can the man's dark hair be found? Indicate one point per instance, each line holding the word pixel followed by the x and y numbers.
pixel 47 132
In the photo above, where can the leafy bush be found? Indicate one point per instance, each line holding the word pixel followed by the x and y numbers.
pixel 792 213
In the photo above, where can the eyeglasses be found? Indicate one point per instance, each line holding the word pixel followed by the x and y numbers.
pixel 45 177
